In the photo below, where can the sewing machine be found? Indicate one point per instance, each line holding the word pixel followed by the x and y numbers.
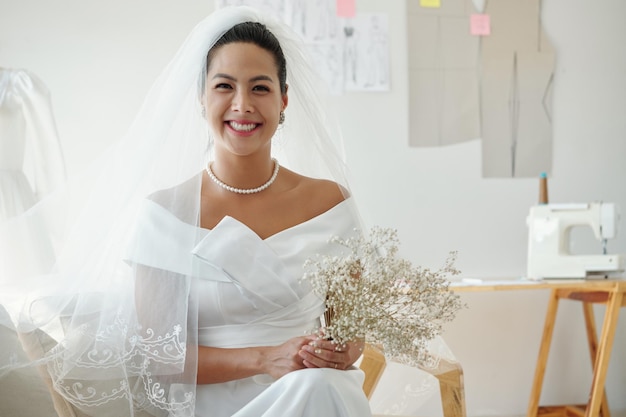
pixel 549 254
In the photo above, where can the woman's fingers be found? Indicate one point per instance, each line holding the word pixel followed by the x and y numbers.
pixel 324 354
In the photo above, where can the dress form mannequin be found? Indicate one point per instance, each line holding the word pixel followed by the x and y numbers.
pixel 28 144
pixel 28 137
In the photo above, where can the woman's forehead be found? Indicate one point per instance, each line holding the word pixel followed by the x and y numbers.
pixel 242 57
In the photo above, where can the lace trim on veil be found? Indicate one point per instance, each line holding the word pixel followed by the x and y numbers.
pixel 140 355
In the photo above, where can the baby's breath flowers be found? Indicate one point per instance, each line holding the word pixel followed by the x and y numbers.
pixel 373 294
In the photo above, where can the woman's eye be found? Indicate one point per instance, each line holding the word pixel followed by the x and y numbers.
pixel 222 86
pixel 261 88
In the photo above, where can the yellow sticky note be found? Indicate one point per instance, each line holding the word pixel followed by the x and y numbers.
pixel 430 3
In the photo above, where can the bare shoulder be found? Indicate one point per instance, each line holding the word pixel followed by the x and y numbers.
pixel 329 193
pixel 318 195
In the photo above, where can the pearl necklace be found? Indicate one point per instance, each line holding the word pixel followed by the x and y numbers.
pixel 244 190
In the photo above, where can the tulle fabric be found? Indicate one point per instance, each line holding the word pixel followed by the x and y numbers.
pixel 112 336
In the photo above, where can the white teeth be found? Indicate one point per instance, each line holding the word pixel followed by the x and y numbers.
pixel 242 127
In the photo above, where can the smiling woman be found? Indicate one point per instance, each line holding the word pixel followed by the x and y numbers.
pixel 243 110
pixel 173 292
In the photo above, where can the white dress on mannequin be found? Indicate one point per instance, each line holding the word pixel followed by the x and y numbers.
pixel 27 132
pixel 28 142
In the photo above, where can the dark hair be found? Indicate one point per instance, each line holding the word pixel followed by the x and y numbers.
pixel 258 34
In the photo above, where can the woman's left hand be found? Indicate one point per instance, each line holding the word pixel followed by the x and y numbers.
pixel 322 353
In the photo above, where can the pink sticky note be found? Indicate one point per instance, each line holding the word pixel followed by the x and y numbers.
pixel 480 24
pixel 346 8
pixel 430 3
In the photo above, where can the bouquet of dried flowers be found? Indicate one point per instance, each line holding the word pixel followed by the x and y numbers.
pixel 373 294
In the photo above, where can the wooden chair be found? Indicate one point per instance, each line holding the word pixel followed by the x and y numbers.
pixel 449 374
pixel 35 344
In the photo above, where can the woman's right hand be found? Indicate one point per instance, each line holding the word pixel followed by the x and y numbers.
pixel 217 365
pixel 284 358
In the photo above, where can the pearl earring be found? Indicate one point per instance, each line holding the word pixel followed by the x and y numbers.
pixel 281 118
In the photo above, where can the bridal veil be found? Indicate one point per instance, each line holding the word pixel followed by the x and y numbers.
pixel 108 334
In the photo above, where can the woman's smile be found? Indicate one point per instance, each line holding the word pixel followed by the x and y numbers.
pixel 242 127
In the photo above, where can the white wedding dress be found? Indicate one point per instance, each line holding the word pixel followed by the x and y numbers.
pixel 27 133
pixel 31 167
pixel 252 295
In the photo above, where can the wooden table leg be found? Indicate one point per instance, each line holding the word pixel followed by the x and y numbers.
pixel 544 349
pixel 604 353
pixel 592 339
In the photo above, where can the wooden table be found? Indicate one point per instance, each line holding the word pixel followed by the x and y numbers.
pixel 604 291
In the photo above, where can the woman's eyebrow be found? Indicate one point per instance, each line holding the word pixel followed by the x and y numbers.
pixel 257 78
pixel 262 78
pixel 220 75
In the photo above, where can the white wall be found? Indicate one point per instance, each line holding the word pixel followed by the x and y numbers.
pixel 98 59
